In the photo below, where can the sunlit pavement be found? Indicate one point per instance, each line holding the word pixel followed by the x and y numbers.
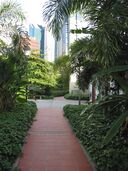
pixel 51 145
pixel 58 102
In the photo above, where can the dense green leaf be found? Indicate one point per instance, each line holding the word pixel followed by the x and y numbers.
pixel 111 70
pixel 115 127
pixel 13 129
pixel 91 128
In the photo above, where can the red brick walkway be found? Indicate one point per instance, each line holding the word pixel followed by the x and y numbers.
pixel 51 145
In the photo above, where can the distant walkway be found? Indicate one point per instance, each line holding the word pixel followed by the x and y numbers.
pixel 51 145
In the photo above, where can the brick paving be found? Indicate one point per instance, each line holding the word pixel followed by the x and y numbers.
pixel 51 145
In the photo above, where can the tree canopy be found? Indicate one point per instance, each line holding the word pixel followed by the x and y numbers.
pixel 40 72
pixel 107 45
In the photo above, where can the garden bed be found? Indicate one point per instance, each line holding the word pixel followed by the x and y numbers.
pixel 57 93
pixel 76 97
pixel 13 129
pixel 91 129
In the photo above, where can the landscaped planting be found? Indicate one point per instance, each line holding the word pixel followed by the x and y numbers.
pixel 91 128
pixel 76 96
pixel 47 97
pixel 57 93
pixel 13 129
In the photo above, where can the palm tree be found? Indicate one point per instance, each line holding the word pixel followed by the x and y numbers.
pixel 105 23
pixel 83 64
pixel 12 58
pixel 108 31
pixel 11 15
pixel 55 13
pixel 12 10
pixel 107 26
pixel 13 63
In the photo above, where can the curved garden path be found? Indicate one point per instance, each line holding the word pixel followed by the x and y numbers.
pixel 50 144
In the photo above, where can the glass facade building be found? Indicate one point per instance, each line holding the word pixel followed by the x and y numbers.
pixel 38 33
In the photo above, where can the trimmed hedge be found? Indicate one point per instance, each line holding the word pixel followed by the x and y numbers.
pixel 57 93
pixel 76 96
pixel 13 129
pixel 91 129
pixel 47 97
pixel 42 97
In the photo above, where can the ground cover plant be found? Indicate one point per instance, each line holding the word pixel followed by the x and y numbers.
pixel 36 97
pixel 57 93
pixel 76 96
pixel 14 125
pixel 91 127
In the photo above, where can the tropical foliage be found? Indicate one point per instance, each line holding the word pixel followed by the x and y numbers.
pixel 40 71
pixel 15 118
pixel 83 96
pixel 41 76
pixel 82 63
pixel 11 16
pixel 13 129
pixel 106 46
pixel 13 64
pixel 13 42
pixel 62 67
pixel 91 127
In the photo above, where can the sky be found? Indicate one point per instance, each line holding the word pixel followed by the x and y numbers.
pixel 33 10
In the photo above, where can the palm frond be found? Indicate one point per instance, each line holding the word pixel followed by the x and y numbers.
pixel 11 15
pixel 55 13
pixel 115 128
pixel 11 10
pixel 111 70
pixel 80 45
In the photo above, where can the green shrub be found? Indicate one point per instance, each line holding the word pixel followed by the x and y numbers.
pixel 76 96
pixel 13 128
pixel 57 93
pixel 46 97
pixel 91 128
pixel 42 97
pixel 21 99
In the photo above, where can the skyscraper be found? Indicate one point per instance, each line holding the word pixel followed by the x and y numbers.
pixel 37 35
pixel 62 45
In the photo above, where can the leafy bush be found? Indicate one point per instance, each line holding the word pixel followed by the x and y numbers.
pixel 40 73
pixel 76 96
pixel 13 127
pixel 43 97
pixel 63 68
pixel 57 93
pixel 47 97
pixel 91 127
